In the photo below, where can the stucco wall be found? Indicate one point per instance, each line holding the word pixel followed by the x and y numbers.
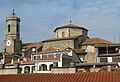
pixel 63 70
pixel 91 55
pixel 8 71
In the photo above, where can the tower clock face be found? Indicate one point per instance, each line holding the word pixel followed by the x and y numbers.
pixel 8 43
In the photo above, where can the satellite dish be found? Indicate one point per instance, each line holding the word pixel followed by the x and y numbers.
pixel 119 64
pixel 33 49
pixel 81 59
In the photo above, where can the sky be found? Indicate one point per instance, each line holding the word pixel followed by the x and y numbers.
pixel 39 18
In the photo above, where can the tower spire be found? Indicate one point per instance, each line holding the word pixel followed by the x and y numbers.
pixel 13 13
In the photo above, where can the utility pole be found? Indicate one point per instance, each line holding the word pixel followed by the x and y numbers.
pixel 114 39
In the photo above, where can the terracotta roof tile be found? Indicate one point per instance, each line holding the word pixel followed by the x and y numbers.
pixel 105 69
pixel 27 63
pixel 65 38
pixel 70 26
pixel 95 41
pixel 48 59
pixel 20 62
pixel 34 44
pixel 75 77
pixel 52 51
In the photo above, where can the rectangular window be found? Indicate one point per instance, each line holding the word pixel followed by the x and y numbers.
pixel 57 55
pixel 116 59
pixel 103 59
pixel 44 56
pixel 35 57
pixel 51 56
pixel 38 56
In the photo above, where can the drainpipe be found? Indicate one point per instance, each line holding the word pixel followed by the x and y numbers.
pixel 107 48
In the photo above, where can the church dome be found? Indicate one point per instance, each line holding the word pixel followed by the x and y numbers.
pixel 70 30
pixel 70 26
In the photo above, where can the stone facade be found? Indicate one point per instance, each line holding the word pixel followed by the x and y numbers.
pixel 60 44
pixel 91 55
pixel 68 36
pixel 69 31
pixel 12 42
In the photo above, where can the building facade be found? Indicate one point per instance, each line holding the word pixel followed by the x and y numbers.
pixel 71 47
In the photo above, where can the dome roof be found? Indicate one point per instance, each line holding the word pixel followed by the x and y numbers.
pixel 70 26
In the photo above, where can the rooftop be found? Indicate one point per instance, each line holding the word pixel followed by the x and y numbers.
pixel 70 26
pixel 58 39
pixel 73 77
pixel 96 41
pixel 52 51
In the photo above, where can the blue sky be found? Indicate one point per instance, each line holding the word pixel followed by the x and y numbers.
pixel 40 17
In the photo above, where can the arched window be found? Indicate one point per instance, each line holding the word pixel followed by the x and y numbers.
pixel 63 34
pixel 33 68
pixel 17 28
pixel 27 69
pixel 43 67
pixel 51 66
pixel 39 68
pixel 9 28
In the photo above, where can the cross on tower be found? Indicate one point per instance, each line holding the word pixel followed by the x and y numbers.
pixel 70 21
pixel 13 13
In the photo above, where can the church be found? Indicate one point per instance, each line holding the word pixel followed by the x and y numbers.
pixel 70 48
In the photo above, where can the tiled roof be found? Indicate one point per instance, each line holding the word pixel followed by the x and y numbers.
pixel 95 41
pixel 52 51
pixel 105 69
pixel 96 64
pixel 80 51
pixel 108 55
pixel 48 59
pixel 34 44
pixel 27 63
pixel 65 38
pixel 70 26
pixel 73 77
pixel 20 62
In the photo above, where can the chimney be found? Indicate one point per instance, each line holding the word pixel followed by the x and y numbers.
pixel 109 68
pixel 12 61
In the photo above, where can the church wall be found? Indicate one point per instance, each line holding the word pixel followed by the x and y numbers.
pixel 9 49
pixel 13 25
pixel 78 41
pixel 75 32
pixel 12 42
pixel 70 32
pixel 18 47
pixel 61 44
pixel 58 33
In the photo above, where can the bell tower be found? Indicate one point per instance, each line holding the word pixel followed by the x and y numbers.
pixel 12 42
